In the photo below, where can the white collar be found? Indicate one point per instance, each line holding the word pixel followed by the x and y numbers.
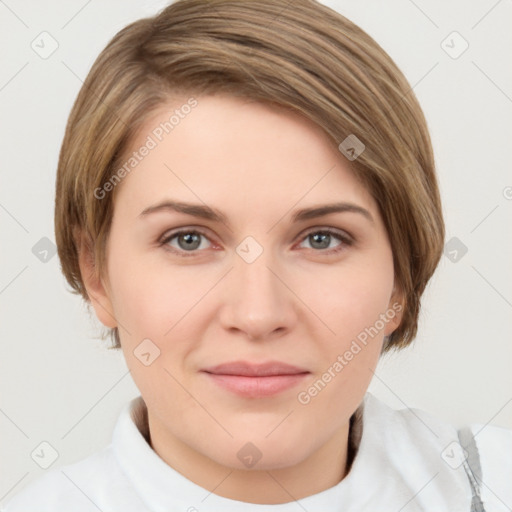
pixel 398 465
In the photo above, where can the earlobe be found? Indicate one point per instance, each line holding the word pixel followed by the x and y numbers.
pixel 96 291
pixel 395 311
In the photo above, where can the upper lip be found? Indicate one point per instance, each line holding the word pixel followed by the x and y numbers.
pixel 247 369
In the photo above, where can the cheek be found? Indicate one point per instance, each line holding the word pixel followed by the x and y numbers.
pixel 156 299
pixel 348 357
pixel 356 298
pixel 158 304
pixel 351 299
pixel 145 300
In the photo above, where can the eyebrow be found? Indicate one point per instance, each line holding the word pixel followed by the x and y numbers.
pixel 196 210
pixel 320 211
pixel 206 212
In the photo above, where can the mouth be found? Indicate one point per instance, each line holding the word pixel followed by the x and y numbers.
pixel 256 380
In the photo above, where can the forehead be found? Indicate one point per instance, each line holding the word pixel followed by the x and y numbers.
pixel 225 150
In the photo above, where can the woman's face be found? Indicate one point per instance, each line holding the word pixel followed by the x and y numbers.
pixel 273 254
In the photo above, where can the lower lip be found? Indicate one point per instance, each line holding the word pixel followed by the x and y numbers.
pixel 256 387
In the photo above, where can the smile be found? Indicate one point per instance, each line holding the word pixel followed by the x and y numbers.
pixel 256 380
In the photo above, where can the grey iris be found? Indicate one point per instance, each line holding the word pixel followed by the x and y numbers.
pixel 191 241
pixel 323 239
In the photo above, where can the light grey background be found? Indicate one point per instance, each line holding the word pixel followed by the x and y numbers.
pixel 62 386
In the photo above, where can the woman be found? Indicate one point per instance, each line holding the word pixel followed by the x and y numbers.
pixel 246 195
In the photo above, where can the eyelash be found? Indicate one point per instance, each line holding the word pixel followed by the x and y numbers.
pixel 346 241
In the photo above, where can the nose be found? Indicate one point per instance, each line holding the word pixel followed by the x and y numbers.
pixel 258 303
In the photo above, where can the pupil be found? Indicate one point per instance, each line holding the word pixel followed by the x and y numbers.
pixel 323 239
pixel 191 241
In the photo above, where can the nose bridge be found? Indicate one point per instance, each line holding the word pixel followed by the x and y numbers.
pixel 256 280
pixel 259 303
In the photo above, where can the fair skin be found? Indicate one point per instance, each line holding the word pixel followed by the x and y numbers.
pixel 302 301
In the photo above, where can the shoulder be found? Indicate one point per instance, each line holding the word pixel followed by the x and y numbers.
pixel 481 453
pixel 494 443
pixel 91 484
pixel 488 450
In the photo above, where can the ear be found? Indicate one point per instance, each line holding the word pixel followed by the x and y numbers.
pixel 96 289
pixel 394 312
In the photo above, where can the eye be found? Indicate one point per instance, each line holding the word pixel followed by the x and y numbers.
pixel 322 239
pixel 188 240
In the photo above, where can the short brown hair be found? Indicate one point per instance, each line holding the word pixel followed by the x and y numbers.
pixel 301 55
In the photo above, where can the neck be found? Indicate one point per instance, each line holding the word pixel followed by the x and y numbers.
pixel 328 464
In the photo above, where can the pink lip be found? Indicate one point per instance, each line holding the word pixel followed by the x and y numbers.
pixel 256 380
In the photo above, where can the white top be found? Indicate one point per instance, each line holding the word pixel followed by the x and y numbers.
pixel 406 461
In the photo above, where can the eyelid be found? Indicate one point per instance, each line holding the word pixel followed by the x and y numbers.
pixel 345 238
pixel 330 230
pixel 164 240
pixel 168 235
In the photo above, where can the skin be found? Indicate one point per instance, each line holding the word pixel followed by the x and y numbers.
pixel 299 302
